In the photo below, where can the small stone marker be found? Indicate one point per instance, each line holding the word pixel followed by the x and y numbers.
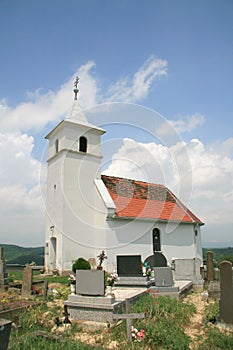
pixel 27 281
pixel 226 292
pixel 3 273
pixel 128 317
pixel 210 267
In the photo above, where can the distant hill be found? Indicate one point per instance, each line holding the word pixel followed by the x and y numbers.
pixel 23 255
pixel 220 254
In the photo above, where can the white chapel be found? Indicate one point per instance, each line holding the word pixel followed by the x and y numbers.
pixel 87 212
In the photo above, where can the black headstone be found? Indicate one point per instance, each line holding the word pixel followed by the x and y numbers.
pixel 129 265
pixel 156 260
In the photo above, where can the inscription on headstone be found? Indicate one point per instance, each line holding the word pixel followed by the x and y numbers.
pixel 226 292
pixel 210 267
pixel 27 281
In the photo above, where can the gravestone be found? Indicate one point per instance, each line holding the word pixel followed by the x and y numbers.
pixel 90 282
pixel 189 270
pixel 163 277
pixel 129 266
pixel 129 270
pixel 226 292
pixel 214 290
pixel 210 267
pixel 3 273
pixel 27 281
pixel 156 260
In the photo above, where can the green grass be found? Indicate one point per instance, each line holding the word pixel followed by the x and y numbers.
pixel 164 326
pixel 217 340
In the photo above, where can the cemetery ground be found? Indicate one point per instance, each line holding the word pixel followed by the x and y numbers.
pixel 187 323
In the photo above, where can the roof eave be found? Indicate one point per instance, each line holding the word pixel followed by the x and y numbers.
pixel 116 217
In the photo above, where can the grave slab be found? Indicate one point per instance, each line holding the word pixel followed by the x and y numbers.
pixel 101 309
pixel 142 281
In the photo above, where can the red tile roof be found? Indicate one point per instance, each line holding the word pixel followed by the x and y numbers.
pixel 137 199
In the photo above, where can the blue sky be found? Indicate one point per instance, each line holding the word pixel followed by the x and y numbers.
pixel 180 51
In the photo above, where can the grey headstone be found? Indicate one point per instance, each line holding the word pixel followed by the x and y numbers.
pixel 214 290
pixel 163 277
pixel 90 282
pixel 3 273
pixel 156 260
pixel 226 292
pixel 210 267
pixel 129 265
pixel 27 281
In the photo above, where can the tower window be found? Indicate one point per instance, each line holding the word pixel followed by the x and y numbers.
pixel 57 146
pixel 82 144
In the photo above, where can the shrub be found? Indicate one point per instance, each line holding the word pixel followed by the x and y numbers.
pixel 81 264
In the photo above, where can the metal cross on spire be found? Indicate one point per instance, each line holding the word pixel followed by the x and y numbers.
pixel 76 90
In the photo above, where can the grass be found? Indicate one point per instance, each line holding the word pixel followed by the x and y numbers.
pixel 164 325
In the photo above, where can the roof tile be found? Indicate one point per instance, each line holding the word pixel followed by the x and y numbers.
pixel 138 199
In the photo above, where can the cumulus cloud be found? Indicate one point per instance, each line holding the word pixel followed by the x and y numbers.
pixel 22 212
pixel 181 125
pixel 206 181
pixel 50 106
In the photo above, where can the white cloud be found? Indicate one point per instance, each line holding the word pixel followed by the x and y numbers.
pixel 138 87
pixel 22 214
pixel 21 210
pixel 207 178
pixel 184 124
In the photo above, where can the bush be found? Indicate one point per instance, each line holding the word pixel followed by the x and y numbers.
pixel 81 264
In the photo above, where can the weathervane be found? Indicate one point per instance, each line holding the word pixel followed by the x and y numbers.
pixel 76 90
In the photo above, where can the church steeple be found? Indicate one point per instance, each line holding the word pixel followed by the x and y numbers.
pixel 76 114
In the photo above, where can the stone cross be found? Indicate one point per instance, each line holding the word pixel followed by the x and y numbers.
pixel 27 282
pixel 226 292
pixel 210 267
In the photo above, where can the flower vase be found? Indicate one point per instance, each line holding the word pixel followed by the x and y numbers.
pixel 73 288
pixel 108 291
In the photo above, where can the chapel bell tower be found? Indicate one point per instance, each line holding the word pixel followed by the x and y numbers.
pixel 74 162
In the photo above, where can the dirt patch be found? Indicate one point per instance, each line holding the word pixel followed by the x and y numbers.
pixel 196 330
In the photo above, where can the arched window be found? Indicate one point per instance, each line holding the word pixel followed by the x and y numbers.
pixel 56 145
pixel 156 240
pixel 82 144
